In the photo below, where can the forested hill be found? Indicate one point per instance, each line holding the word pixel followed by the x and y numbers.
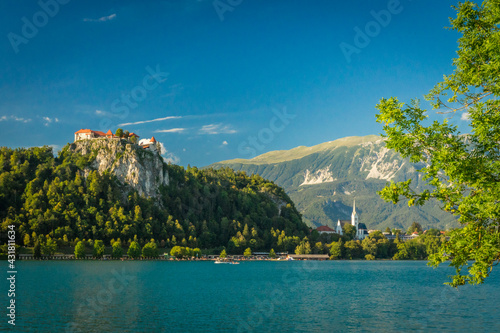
pixel 97 190
pixel 324 180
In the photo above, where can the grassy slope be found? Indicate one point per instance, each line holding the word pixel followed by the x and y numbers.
pixel 279 156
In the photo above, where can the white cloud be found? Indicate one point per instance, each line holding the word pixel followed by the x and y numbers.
pixel 47 121
pixel 465 116
pixel 56 148
pixel 102 113
pixel 150 121
pixel 101 19
pixel 216 129
pixel 171 130
pixel 168 156
pixel 14 118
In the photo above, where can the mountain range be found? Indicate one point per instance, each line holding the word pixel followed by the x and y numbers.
pixel 324 180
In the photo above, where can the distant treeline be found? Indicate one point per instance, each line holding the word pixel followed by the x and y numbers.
pixel 375 246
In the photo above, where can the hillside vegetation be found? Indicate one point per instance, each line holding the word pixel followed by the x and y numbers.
pixel 69 198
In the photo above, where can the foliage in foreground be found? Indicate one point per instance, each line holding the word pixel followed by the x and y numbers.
pixel 463 171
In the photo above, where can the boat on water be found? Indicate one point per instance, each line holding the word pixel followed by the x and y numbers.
pixel 231 262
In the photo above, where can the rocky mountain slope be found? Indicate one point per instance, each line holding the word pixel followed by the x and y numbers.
pixel 324 180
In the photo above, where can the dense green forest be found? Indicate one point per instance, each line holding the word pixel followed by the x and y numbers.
pixel 61 201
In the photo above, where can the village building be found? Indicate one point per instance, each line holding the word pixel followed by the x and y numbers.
pixel 86 134
pixel 340 226
pixel 361 230
pixel 325 230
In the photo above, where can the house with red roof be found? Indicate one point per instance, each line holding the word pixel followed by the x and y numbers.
pixel 86 134
pixel 324 229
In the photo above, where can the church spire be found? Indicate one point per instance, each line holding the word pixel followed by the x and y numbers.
pixel 354 216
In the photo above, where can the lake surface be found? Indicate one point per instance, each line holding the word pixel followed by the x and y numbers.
pixel 298 296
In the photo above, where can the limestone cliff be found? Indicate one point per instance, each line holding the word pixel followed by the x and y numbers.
pixel 143 170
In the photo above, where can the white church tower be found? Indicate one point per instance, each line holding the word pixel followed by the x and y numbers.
pixel 354 217
pixel 361 231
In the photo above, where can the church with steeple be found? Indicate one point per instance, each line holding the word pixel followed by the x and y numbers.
pixel 361 231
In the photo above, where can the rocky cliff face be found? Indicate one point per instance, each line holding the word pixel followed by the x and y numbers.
pixel 143 170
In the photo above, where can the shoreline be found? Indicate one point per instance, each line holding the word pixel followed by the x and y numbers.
pixel 202 259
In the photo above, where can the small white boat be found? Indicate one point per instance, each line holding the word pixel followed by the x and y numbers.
pixel 218 261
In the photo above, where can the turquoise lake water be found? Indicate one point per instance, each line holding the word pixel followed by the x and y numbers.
pixel 298 296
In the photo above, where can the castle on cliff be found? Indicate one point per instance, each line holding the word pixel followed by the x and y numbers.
pixel 87 134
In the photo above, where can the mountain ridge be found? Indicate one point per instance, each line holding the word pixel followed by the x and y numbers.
pixel 305 150
pixel 323 180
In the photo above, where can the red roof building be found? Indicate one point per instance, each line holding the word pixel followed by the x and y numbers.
pixel 85 134
pixel 150 144
pixel 88 134
pixel 325 230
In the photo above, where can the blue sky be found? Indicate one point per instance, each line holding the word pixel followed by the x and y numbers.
pixel 215 80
